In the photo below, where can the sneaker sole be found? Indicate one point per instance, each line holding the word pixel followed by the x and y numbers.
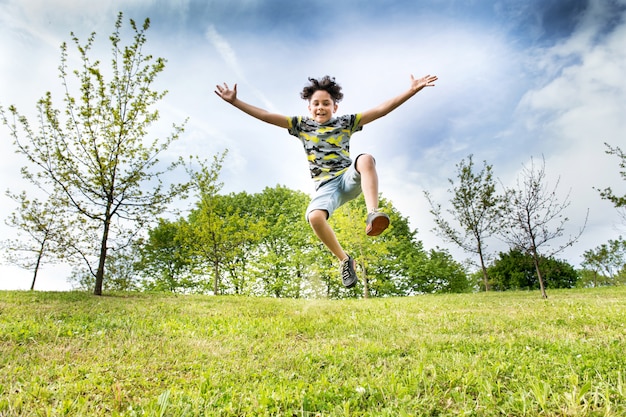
pixel 351 285
pixel 378 225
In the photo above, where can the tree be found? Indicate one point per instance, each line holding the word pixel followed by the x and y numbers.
pixel 442 274
pixel 516 270
pixel 349 224
pixel 96 153
pixel 607 262
pixel 395 263
pixel 608 194
pixel 476 207
pixel 220 229
pixel 535 218
pixel 44 229
pixel 204 233
pixel 281 260
pixel 121 272
pixel 244 230
pixel 164 259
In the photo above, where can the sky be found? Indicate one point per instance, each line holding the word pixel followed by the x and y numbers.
pixel 519 80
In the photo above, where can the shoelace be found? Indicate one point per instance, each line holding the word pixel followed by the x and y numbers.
pixel 345 269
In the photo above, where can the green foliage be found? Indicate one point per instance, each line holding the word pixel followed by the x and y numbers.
pixel 488 354
pixel 395 263
pixel 371 254
pixel 516 270
pixel 260 244
pixel 164 260
pixel 219 231
pixel 282 254
pixel 442 274
pixel 606 264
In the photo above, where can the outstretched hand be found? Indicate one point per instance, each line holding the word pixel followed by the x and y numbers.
pixel 226 93
pixel 426 81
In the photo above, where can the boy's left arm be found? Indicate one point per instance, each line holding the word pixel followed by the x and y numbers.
pixel 392 104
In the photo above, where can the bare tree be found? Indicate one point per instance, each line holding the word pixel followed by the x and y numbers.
pixel 476 207
pixel 535 217
pixel 96 153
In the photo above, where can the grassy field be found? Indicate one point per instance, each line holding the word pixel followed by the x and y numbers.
pixel 496 354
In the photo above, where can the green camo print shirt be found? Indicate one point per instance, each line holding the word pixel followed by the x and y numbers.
pixel 327 145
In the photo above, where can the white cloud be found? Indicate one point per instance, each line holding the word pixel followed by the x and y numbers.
pixel 225 51
pixel 229 56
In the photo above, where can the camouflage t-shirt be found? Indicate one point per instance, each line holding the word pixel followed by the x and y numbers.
pixel 327 145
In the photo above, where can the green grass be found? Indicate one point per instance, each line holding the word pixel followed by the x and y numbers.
pixel 496 354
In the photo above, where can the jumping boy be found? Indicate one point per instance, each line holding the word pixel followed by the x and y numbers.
pixel 326 139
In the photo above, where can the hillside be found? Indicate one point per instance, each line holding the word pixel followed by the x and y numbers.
pixel 510 353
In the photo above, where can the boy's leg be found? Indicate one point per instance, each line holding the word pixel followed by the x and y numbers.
pixel 319 223
pixel 366 166
pixel 318 219
pixel 376 222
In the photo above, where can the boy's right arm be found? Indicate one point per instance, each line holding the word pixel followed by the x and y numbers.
pixel 230 96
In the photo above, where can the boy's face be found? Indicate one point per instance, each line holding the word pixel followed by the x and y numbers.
pixel 322 106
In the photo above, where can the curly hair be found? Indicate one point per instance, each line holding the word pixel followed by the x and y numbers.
pixel 325 83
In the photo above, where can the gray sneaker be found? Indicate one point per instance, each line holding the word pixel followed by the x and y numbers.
pixel 376 223
pixel 348 273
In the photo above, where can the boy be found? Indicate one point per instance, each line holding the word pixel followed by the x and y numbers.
pixel 326 141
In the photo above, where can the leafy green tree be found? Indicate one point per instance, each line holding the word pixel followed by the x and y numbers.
pixel 349 225
pixel 442 274
pixel 221 232
pixel 477 209
pixel 261 244
pixel 244 230
pixel 535 218
pixel 395 263
pixel 606 263
pixel 96 153
pixel 215 229
pixel 516 270
pixel 281 252
pixel 593 278
pixel 164 259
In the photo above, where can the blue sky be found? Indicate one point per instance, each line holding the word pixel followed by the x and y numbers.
pixel 517 80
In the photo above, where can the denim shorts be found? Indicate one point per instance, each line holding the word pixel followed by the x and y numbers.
pixel 331 195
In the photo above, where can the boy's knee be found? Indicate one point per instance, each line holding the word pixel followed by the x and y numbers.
pixel 317 217
pixel 365 162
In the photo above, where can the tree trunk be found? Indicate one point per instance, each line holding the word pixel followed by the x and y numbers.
pixel 103 256
pixel 39 256
pixel 542 287
pixel 366 286
pixel 216 281
pixel 32 285
pixel 483 267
